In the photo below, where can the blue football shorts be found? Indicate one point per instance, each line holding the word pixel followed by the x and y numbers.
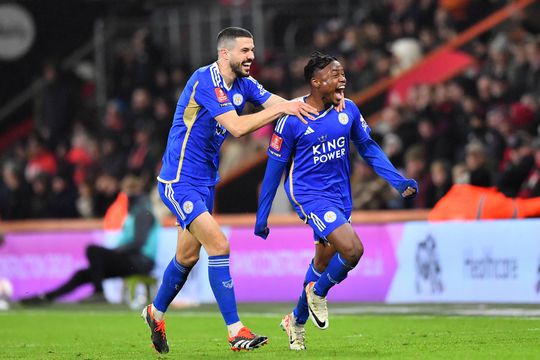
pixel 323 216
pixel 187 201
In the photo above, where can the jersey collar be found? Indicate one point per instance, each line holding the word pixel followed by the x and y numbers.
pixel 223 80
pixel 303 98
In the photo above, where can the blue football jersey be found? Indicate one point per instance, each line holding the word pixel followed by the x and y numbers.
pixel 319 153
pixel 195 138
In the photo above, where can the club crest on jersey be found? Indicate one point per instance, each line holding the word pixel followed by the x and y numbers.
pixel 221 95
pixel 276 142
pixel 343 118
pixel 188 207
pixel 330 217
pixel 237 99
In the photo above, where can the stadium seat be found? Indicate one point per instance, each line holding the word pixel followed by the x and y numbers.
pixel 132 298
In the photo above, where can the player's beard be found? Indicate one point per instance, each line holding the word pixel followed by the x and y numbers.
pixel 237 69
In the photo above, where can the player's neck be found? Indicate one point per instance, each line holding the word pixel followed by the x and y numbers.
pixel 316 102
pixel 226 72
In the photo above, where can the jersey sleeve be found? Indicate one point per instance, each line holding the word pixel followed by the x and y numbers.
pixel 360 129
pixel 283 139
pixel 214 99
pixel 255 92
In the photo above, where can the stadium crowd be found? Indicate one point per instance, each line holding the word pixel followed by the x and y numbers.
pixel 484 122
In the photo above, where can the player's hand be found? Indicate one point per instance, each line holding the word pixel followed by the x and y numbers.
pixel 300 109
pixel 341 105
pixel 262 230
pixel 408 189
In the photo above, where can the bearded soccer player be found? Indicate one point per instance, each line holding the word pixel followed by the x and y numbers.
pixel 206 112
pixel 316 156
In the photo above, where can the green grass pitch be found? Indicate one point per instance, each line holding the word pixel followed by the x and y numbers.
pixel 111 332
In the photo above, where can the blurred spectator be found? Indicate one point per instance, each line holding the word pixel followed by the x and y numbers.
pixel 85 200
pixel 39 204
pixel 476 161
pixel 441 182
pixel 416 167
pixel 135 253
pixel 40 159
pixel 63 197
pixel 531 186
pixel 14 193
pixel 106 190
pixel 56 104
pixel 517 168
pixel 140 160
pixel 113 159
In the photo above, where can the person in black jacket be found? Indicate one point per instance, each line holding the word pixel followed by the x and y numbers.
pixel 135 253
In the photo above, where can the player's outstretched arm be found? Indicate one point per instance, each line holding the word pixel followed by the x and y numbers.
pixel 272 177
pixel 377 159
pixel 242 125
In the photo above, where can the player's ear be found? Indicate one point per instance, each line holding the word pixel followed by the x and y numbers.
pixel 224 53
pixel 315 83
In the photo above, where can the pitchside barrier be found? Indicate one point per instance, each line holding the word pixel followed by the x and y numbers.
pixel 404 261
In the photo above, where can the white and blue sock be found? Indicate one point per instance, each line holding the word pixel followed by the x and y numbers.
pixel 222 286
pixel 174 278
pixel 335 272
pixel 301 312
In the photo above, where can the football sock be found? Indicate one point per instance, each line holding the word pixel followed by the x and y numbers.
pixel 233 329
pixel 335 272
pixel 173 279
pixel 301 312
pixel 222 286
pixel 158 315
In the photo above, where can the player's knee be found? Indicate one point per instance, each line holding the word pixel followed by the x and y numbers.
pixel 220 247
pixel 353 253
pixel 187 260
pixel 320 264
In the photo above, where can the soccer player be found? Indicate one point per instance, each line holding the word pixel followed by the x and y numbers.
pixel 206 112
pixel 316 156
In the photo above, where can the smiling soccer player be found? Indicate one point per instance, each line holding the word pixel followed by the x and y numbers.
pixel 318 186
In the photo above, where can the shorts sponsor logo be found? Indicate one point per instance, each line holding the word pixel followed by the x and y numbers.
pixel 343 118
pixel 188 207
pixel 221 95
pixel 276 142
pixel 330 217
pixel 238 99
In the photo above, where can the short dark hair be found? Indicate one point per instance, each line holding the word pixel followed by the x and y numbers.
pixel 317 61
pixel 231 33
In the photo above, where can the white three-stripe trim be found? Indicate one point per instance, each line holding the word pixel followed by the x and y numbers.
pixel 214 72
pixel 169 194
pixel 318 222
pixel 281 123
pixel 218 263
